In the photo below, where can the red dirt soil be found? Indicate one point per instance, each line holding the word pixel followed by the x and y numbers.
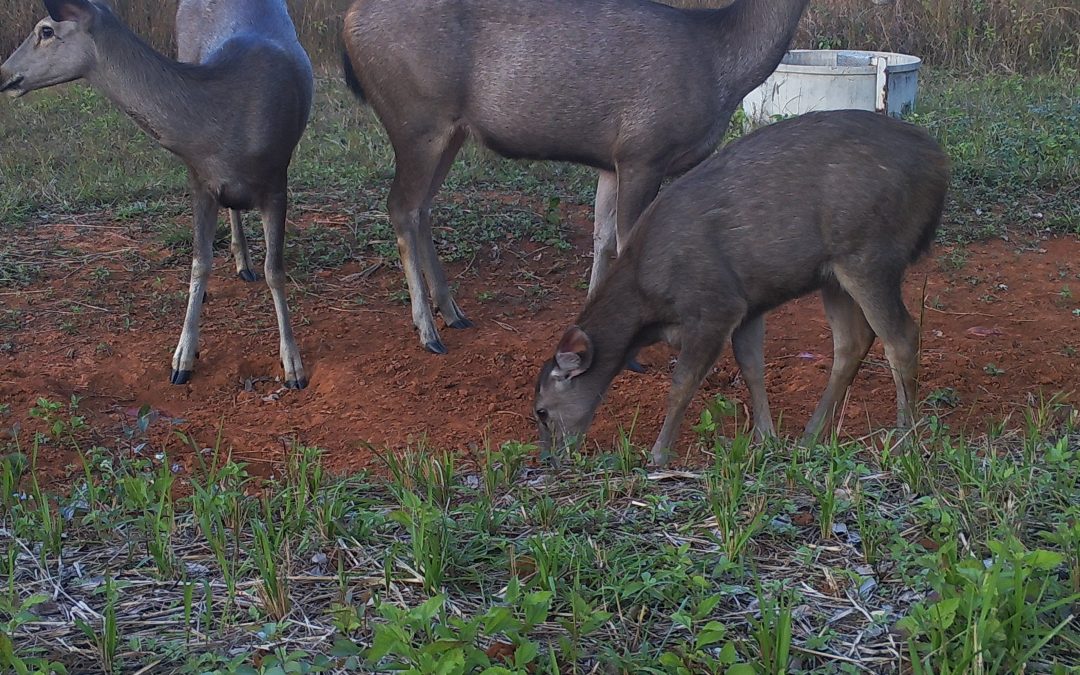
pixel 998 327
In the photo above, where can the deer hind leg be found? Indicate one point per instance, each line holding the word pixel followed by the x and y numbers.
pixel 205 209
pixel 418 159
pixel 604 225
pixel 852 337
pixel 879 295
pixel 241 256
pixel 433 269
pixel 748 345
pixel 273 217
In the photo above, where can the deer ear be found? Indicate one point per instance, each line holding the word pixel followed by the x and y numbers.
pixel 69 10
pixel 575 352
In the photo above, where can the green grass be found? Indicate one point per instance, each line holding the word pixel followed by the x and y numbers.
pixel 1015 151
pixel 1013 142
pixel 71 152
pixel 944 555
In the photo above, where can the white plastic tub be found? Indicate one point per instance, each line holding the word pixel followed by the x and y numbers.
pixel 833 79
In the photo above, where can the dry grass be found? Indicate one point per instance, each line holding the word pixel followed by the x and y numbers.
pixel 157 625
pixel 319 23
pixel 646 553
pixel 1017 35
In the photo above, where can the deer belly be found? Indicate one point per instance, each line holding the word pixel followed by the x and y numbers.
pixel 235 196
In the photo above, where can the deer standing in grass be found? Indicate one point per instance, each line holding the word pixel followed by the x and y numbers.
pixel 232 109
pixel 635 89
pixel 839 201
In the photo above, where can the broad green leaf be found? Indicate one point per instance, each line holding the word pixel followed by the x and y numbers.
pixel 385 642
pixel 344 647
pixel 909 625
pixel 440 646
pixel 597 619
pixel 427 611
pixel 710 634
pixel 682 619
pixel 513 591
pixel 498 619
pixel 943 613
pixel 728 656
pixel 451 663
pixel 706 606
pixel 1042 559
pixel 34 600
pixel 536 607
pixel 525 654
pixel 673 663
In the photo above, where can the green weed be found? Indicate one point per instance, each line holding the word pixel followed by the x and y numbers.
pixel 429 537
pixel 739 510
pixel 772 630
pixel 271 553
pixel 987 617
pixel 503 566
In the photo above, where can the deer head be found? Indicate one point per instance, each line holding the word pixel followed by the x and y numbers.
pixel 60 49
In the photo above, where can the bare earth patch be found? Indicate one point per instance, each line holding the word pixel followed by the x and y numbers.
pixel 1000 328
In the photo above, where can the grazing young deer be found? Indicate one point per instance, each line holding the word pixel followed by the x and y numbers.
pixel 232 109
pixel 635 89
pixel 839 201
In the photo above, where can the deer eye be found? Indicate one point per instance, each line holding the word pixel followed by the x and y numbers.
pixel 46 32
pixel 542 415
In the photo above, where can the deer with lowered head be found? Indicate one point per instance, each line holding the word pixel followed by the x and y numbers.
pixel 232 109
pixel 635 89
pixel 842 202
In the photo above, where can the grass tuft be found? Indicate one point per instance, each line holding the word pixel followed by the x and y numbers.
pixel 603 567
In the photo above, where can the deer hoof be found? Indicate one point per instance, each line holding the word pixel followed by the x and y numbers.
pixel 205 297
pixel 296 384
pixel 659 459
pixel 436 347
pixel 247 275
pixel 180 377
pixel 462 323
pixel 633 366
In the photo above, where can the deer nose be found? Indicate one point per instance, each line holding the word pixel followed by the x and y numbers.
pixel 8 84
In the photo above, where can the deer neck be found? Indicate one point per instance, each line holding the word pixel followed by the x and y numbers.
pixel 753 36
pixel 617 322
pixel 159 94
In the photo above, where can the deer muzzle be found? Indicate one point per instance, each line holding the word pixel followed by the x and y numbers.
pixel 10 85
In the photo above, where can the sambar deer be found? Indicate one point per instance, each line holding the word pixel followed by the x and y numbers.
pixel 635 89
pixel 232 109
pixel 838 201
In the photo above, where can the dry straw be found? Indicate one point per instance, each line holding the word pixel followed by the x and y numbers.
pixel 1015 35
